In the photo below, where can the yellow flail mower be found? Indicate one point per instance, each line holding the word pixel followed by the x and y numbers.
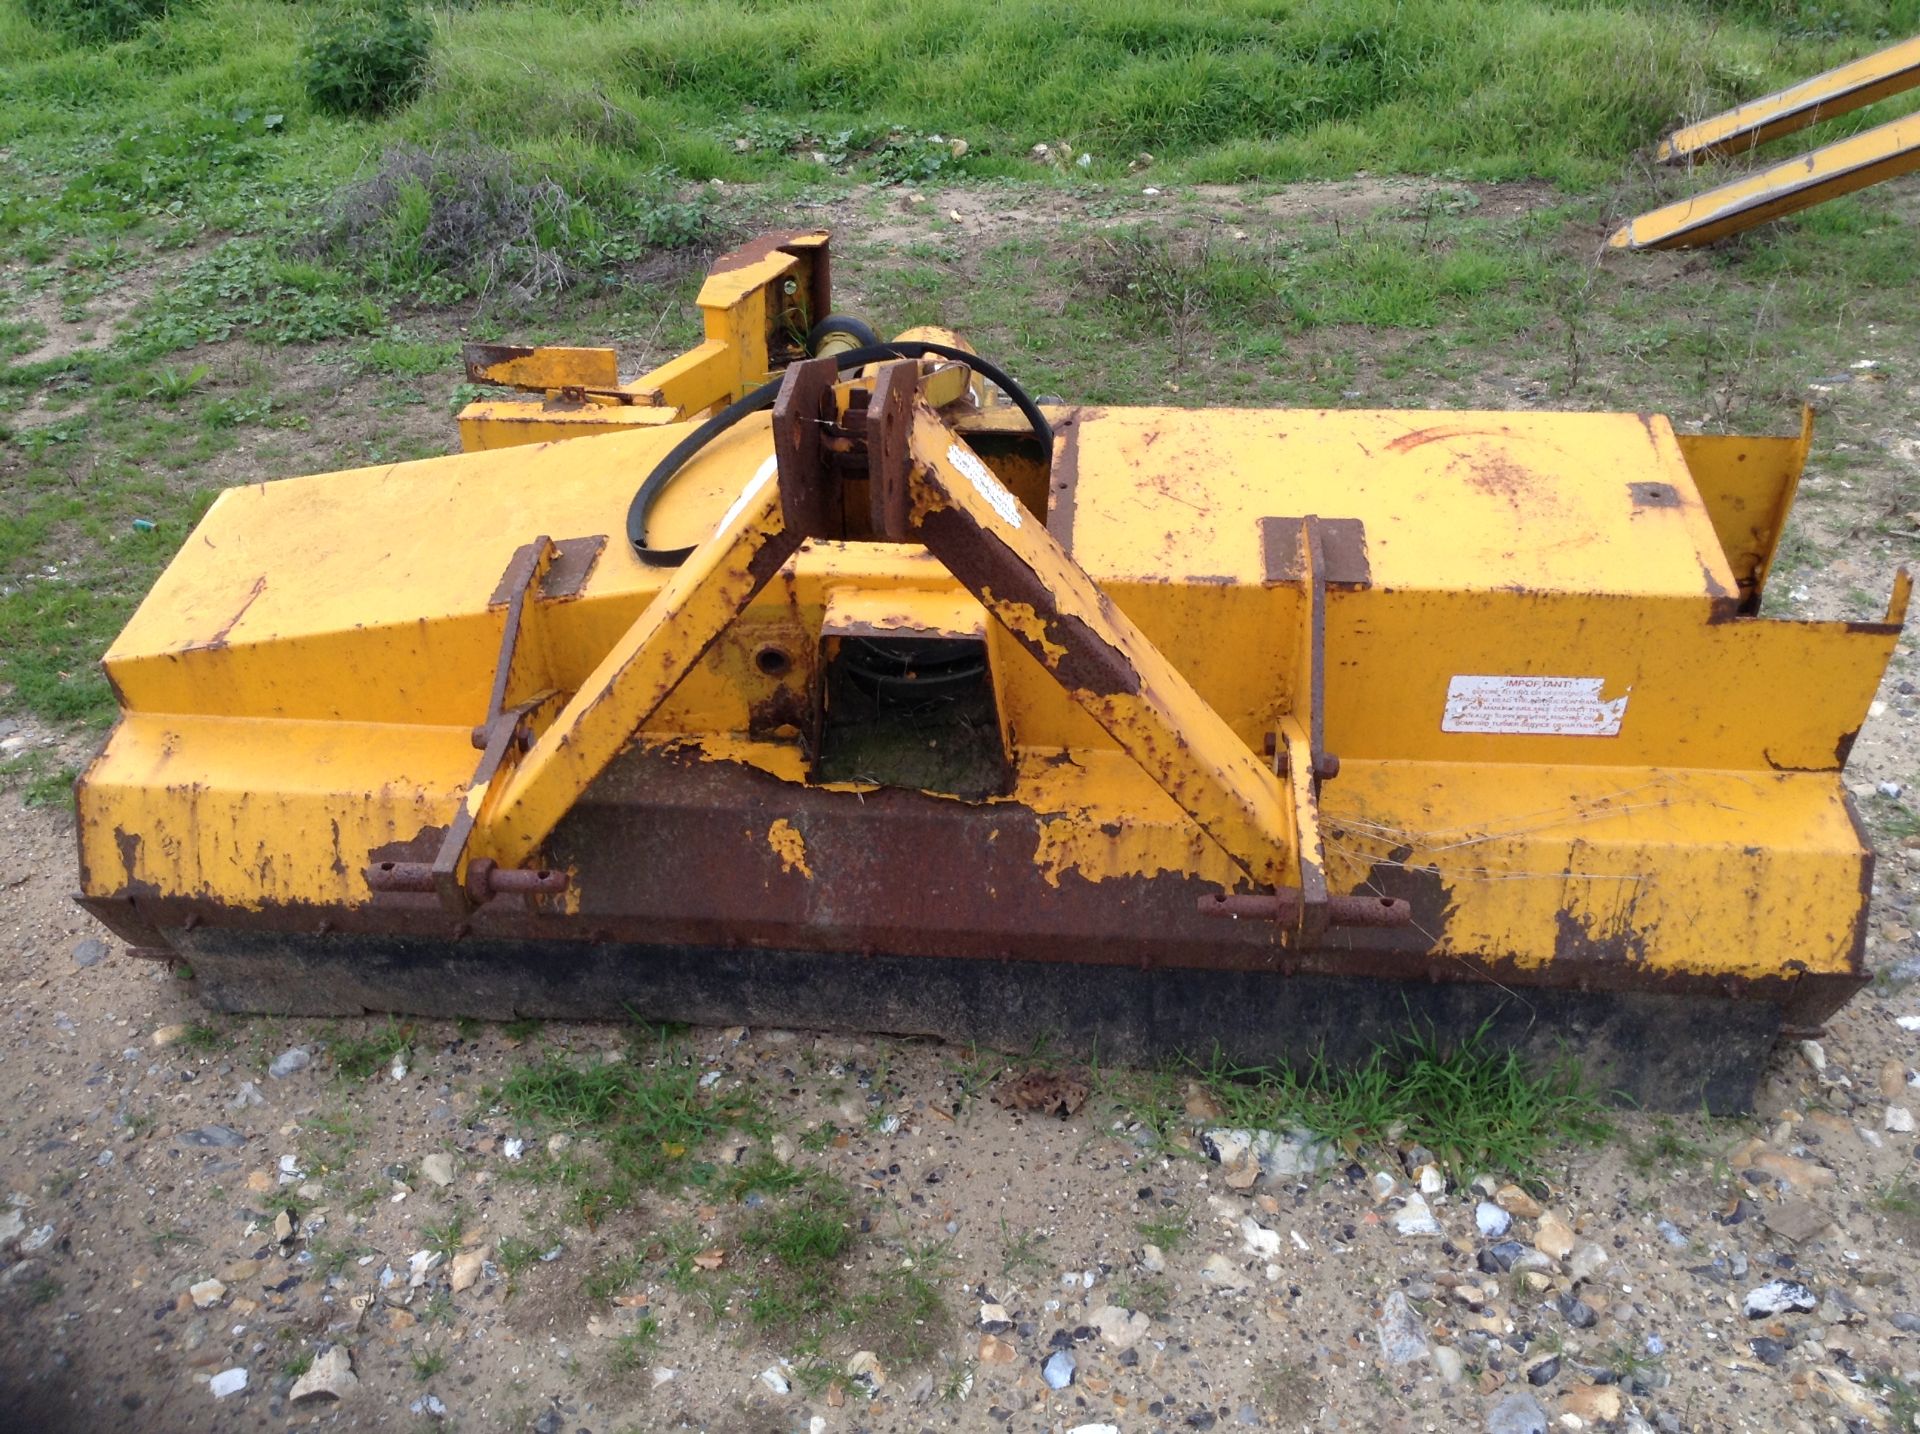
pixel 820 681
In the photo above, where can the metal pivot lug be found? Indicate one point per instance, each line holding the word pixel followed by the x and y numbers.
pixel 807 495
pixel 1326 766
pixel 889 449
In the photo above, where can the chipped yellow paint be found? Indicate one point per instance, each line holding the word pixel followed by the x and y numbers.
pixel 1663 862
pixel 1022 621
pixel 787 843
pixel 1118 826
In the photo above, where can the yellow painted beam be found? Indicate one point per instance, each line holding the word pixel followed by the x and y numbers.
pixel 1828 172
pixel 700 600
pixel 1848 87
pixel 539 368
pixel 1155 716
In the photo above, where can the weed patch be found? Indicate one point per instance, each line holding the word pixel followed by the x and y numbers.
pixel 97 22
pixel 357 1057
pixel 438 224
pixel 367 59
pixel 1477 1108
pixel 41 782
pixel 647 1118
pixel 800 1243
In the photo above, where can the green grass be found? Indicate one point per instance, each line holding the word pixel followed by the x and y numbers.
pixel 205 1038
pixel 1168 1233
pixel 425 1366
pixel 634 1348
pixel 446 1235
pixel 1022 1253
pixel 515 1255
pixel 1902 1396
pixel 41 781
pixel 800 1243
pixel 355 1058
pixel 1662 1148
pixel 1477 1108
pixel 647 1116
pixel 330 1142
pixel 1900 1197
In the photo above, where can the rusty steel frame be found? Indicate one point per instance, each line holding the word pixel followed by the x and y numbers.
pixel 927 486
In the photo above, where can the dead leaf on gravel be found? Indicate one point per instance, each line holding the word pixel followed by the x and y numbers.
pixel 1043 1093
pixel 710 1259
pixel 1201 1104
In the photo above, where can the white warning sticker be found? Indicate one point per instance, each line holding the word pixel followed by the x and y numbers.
pixel 1541 706
pixel 985 484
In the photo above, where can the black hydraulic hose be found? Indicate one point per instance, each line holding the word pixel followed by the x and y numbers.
pixel 763 397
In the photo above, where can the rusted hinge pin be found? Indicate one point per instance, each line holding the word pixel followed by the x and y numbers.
pixel 483 877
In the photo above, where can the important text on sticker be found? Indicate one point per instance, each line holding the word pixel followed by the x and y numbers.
pixel 1540 706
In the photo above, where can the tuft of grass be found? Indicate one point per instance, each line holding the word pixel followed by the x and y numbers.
pixel 1663 1148
pixel 1476 1107
pixel 400 357
pixel 41 783
pixel 331 1259
pixel 515 1255
pixel 445 1237
pixel 205 1038
pixel 358 1057
pixel 425 1366
pixel 1902 1396
pixel 647 1116
pixel 329 1142
pixel 1167 1233
pixel 1021 1253
pixel 1901 1197
pixel 798 1281
pixel 97 22
pixel 634 1348
pixel 615 1276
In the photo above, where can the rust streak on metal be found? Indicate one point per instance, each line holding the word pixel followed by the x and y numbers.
pixel 1407 442
pixel 219 639
pixel 754 250
pixel 1064 485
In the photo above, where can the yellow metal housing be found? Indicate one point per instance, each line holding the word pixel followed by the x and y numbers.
pixel 1478 700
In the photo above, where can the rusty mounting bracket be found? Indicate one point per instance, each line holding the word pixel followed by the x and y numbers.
pixel 519 693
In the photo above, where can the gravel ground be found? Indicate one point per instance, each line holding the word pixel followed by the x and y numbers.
pixel 1689 1274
